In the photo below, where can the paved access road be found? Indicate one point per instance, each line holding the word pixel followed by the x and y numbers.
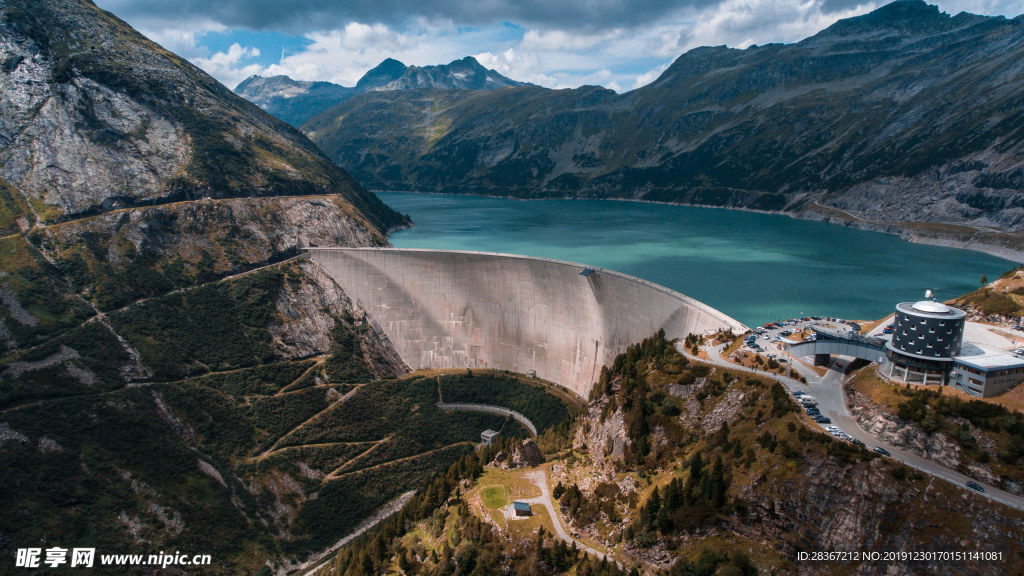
pixel 828 391
pixel 540 478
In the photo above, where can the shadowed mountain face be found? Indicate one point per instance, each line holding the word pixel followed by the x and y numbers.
pixel 296 101
pixel 905 113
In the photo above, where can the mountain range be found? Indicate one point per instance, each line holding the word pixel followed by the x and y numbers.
pixel 904 115
pixel 172 378
pixel 296 101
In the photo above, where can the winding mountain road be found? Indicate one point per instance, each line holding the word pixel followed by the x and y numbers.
pixel 828 391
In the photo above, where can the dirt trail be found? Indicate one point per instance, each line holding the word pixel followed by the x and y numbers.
pixel 319 362
pixel 275 445
pixel 333 476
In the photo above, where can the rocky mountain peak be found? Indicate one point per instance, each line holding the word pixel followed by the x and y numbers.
pixel 296 102
pixel 464 74
pixel 902 16
pixel 387 71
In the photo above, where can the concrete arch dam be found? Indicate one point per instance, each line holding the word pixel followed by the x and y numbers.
pixel 563 321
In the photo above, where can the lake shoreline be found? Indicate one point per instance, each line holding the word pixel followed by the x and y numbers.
pixel 891 228
pixel 754 265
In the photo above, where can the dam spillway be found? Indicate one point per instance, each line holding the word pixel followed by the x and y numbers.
pixel 563 321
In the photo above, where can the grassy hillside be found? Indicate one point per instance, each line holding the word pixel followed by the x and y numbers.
pixel 1001 298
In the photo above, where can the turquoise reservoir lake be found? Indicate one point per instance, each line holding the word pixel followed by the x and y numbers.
pixel 754 267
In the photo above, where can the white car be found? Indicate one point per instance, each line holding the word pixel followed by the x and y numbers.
pixel 832 428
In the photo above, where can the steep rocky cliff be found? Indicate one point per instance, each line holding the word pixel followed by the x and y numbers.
pixel 902 115
pixel 96 116
pixel 156 337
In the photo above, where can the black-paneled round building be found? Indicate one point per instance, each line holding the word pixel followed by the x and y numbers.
pixel 926 336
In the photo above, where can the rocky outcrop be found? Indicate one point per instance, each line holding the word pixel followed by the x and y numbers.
pixel 940 447
pixel 724 411
pixel 909 436
pixel 59 137
pixel 526 455
pixel 604 436
pixel 860 507
pixel 876 421
pixel 309 310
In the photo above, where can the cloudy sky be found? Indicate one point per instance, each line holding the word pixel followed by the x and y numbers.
pixel 553 43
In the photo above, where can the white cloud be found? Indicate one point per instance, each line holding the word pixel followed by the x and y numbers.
pixel 343 56
pixel 618 56
pixel 649 76
pixel 742 23
pixel 181 37
pixel 230 67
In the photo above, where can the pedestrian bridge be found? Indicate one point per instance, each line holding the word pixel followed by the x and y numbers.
pixel 833 342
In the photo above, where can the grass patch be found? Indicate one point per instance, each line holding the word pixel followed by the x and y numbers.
pixel 493 497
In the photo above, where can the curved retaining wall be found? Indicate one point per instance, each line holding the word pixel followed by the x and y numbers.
pixel 490 410
pixel 447 309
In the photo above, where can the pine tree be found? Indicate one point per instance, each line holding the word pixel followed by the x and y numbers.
pixel 718 485
pixel 650 511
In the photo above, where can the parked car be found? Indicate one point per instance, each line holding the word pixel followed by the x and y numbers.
pixel 975 486
pixel 882 451
pixel 858 442
pixel 823 420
